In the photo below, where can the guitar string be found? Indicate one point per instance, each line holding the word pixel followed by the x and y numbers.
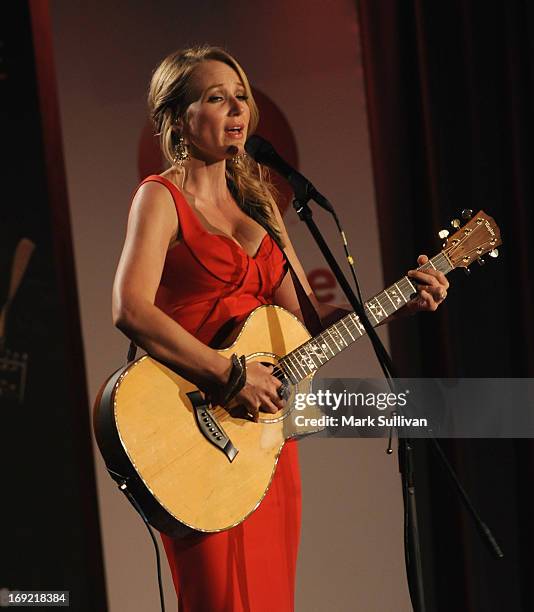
pixel 351 321
pixel 439 262
pixel 351 324
pixel 348 321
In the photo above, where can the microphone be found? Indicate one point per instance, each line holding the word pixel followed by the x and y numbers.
pixel 263 152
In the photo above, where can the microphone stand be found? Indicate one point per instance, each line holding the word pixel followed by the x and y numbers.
pixel 412 545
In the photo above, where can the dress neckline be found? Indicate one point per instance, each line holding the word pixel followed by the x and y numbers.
pixel 206 231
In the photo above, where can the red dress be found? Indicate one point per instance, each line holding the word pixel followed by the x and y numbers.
pixel 208 280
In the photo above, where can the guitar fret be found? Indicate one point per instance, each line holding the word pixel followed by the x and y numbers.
pixel 377 311
pixel 297 360
pixel 414 290
pixel 395 294
pixel 369 311
pixel 328 332
pixel 297 364
pixel 313 356
pixel 325 343
pixel 339 332
pixel 323 352
pixel 286 361
pixel 355 319
pixel 313 350
pixel 348 330
pixel 306 360
pixel 310 356
pixel 447 262
pixel 287 370
pixel 392 303
pixel 384 301
pixel 405 300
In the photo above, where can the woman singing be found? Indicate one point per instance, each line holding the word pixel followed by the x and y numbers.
pixel 206 245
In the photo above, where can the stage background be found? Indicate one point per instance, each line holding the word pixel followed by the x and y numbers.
pixel 451 92
pixel 306 58
pixel 49 528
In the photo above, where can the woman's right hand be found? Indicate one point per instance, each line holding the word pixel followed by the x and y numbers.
pixel 260 392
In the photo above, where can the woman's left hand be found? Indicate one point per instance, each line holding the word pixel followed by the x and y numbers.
pixel 431 288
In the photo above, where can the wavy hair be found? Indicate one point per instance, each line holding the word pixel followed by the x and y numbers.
pixel 169 96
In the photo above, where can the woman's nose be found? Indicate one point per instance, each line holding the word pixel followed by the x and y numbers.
pixel 236 106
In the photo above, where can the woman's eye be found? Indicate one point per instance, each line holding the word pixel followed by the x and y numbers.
pixel 214 99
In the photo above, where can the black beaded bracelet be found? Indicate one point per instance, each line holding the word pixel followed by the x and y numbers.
pixel 236 380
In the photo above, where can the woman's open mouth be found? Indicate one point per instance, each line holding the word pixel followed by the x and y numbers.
pixel 236 131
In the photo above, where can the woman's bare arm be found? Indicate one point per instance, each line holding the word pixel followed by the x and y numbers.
pixel 152 227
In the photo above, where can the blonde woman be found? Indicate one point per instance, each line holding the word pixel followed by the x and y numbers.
pixel 206 245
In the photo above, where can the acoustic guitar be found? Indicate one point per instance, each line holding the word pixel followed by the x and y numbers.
pixel 193 466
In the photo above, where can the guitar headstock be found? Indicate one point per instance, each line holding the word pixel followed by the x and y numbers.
pixel 480 235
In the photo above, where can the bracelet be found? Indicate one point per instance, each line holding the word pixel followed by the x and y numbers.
pixel 236 381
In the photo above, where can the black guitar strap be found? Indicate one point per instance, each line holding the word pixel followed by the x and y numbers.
pixel 132 352
pixel 309 314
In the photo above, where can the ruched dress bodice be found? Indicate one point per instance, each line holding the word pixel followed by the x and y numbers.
pixel 208 280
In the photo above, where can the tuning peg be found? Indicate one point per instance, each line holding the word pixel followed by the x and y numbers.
pixel 443 233
pixel 467 213
pixel 481 262
pixel 467 271
pixel 456 223
pixel 494 253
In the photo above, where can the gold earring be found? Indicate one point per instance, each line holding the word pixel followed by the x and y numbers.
pixel 237 159
pixel 181 153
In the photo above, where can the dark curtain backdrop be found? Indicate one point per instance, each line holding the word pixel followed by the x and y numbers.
pixel 49 525
pixel 450 104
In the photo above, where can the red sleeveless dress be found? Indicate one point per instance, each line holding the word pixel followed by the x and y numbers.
pixel 207 281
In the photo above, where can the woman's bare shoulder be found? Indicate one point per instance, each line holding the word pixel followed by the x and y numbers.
pixel 153 206
pixel 153 195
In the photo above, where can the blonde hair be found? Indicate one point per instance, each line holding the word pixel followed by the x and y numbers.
pixel 168 98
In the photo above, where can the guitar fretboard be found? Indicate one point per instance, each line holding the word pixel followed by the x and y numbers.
pixel 314 353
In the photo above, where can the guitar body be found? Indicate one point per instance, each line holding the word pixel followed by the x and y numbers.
pixel 190 467
pixel 150 436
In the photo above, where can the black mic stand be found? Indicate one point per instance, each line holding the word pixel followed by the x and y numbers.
pixel 412 546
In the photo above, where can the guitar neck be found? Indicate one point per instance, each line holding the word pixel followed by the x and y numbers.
pixel 314 353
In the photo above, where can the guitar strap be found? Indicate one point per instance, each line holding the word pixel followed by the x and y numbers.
pixel 309 314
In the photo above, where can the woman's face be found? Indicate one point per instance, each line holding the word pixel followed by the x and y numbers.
pixel 216 122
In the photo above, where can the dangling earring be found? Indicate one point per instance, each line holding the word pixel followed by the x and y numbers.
pixel 181 153
pixel 238 159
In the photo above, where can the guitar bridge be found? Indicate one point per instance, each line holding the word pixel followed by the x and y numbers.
pixel 210 427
